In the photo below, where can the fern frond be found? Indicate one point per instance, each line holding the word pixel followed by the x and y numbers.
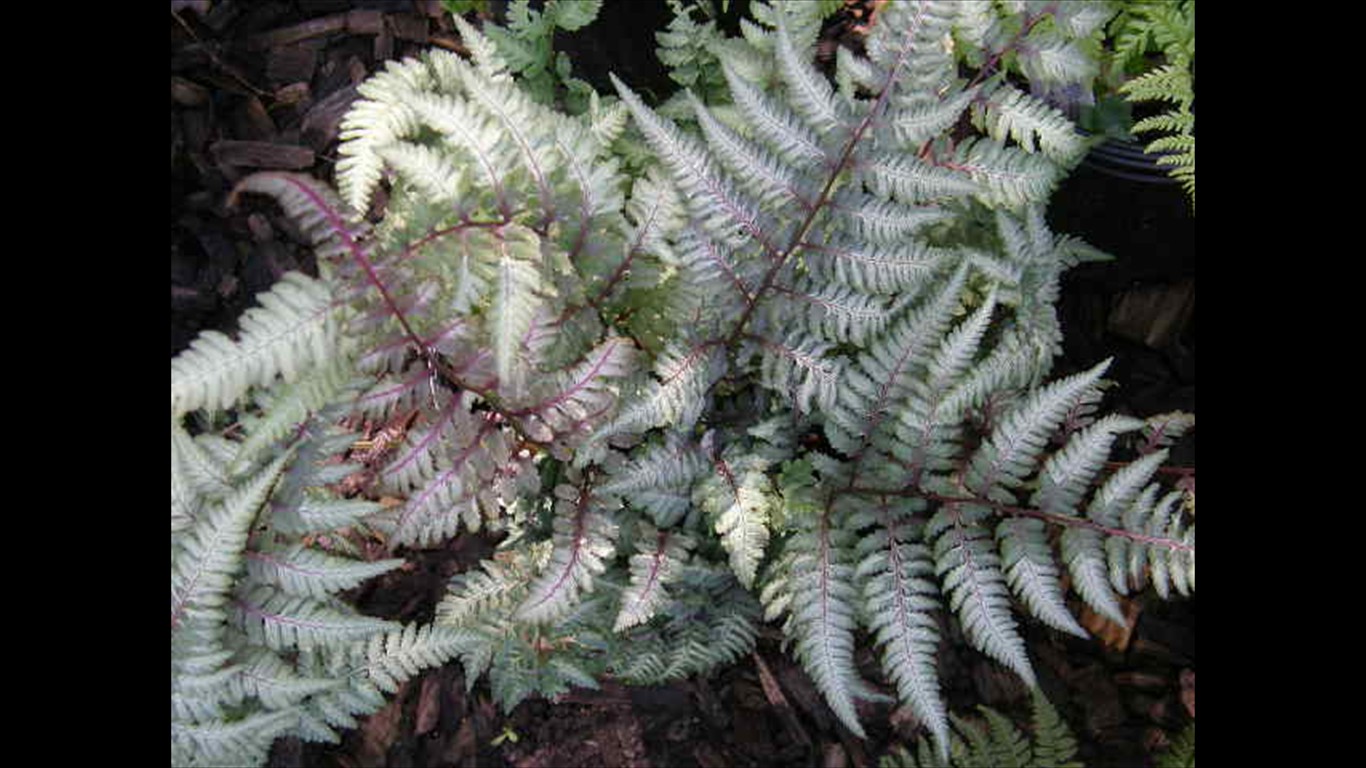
pixel 1068 473
pixel 378 119
pixel 221 743
pixel 205 560
pixel 771 181
pixel 1033 124
pixel 909 179
pixel 400 654
pixel 900 268
pixel 801 369
pixel 657 562
pixel 1006 177
pixel 299 570
pixel 773 123
pixel 515 299
pixel 820 596
pixel 1028 564
pixel 578 397
pixel 710 196
pixel 1009 455
pixel 925 119
pixel 315 209
pixel 736 499
pixel 677 398
pixel 971 574
pixel 659 479
pixel 900 599
pixel 877 222
pixel 294 328
pixel 1083 550
pixel 584 538
pixel 283 622
pixel 882 375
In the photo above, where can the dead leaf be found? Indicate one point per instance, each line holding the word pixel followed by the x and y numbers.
pixel 1111 635
pixel 380 731
pixel 428 705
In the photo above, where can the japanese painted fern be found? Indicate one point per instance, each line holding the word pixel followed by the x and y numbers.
pixel 797 368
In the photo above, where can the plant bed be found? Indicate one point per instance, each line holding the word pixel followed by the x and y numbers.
pixel 1123 696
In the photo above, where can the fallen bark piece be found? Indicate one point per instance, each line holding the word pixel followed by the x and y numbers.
pixel 262 154
pixel 322 122
pixel 359 22
pixel 188 93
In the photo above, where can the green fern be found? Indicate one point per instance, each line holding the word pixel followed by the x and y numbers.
pixel 1181 754
pixel 995 741
pixel 1169 28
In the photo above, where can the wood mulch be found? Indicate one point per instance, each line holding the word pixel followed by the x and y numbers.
pixel 264 85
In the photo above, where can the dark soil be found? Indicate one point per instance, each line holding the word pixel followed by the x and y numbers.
pixel 251 88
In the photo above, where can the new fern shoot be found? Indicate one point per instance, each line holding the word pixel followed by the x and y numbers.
pixel 797 368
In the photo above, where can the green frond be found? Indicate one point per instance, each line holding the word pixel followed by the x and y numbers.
pixel 1054 744
pixel 1181 754
pixel 1169 83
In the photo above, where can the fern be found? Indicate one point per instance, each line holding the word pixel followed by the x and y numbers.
pixel 1169 28
pixel 784 347
pixel 260 644
pixel 995 741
